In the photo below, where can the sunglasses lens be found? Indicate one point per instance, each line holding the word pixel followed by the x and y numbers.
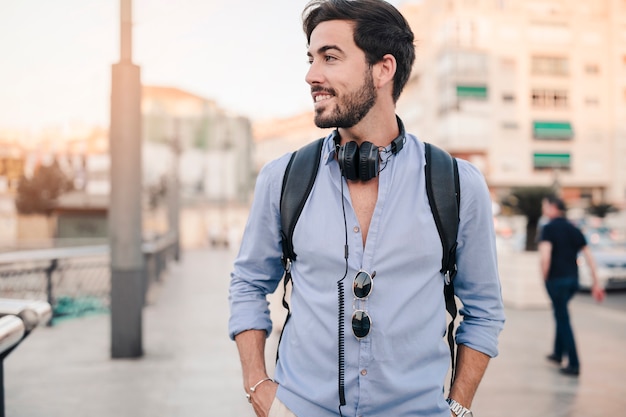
pixel 361 323
pixel 362 285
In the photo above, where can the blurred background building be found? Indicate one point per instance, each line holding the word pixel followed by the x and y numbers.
pixel 215 173
pixel 532 91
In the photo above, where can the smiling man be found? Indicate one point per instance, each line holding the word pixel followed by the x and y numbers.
pixel 350 347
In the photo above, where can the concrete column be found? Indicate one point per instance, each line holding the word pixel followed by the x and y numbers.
pixel 173 190
pixel 125 219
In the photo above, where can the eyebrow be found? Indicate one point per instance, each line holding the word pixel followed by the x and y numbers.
pixel 326 48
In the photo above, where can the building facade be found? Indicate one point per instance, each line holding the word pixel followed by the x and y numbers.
pixel 214 146
pixel 531 91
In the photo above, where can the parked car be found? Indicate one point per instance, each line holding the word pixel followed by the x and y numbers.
pixel 610 257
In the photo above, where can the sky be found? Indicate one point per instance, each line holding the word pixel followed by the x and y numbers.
pixel 56 56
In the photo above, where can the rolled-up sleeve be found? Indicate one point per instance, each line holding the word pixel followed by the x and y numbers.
pixel 477 283
pixel 257 269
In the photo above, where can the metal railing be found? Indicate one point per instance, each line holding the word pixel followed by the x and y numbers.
pixel 75 281
pixel 17 319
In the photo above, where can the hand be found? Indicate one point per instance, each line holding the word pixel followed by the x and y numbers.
pixel 598 293
pixel 263 398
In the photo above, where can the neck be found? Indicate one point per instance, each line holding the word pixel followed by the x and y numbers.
pixel 380 129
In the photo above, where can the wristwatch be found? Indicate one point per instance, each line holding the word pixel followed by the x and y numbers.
pixel 458 409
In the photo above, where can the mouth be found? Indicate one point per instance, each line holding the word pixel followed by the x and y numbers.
pixel 320 96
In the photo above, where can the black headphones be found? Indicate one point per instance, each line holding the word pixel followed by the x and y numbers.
pixel 362 163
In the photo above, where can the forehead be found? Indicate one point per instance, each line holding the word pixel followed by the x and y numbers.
pixel 333 33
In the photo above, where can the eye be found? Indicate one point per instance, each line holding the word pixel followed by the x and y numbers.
pixel 329 58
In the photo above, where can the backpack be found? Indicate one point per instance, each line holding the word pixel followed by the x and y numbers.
pixel 442 188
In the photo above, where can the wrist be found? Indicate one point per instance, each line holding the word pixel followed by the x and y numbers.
pixel 252 379
pixel 252 389
pixel 256 385
pixel 458 410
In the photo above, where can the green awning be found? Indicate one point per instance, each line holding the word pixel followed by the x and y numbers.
pixel 471 91
pixel 553 130
pixel 551 160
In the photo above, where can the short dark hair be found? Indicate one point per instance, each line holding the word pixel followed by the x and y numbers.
pixel 556 202
pixel 380 29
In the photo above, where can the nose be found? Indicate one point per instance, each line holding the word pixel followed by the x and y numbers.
pixel 314 74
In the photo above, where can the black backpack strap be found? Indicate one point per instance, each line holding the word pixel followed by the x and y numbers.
pixel 297 184
pixel 442 176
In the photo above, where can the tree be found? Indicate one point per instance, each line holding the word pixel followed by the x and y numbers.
pixel 601 209
pixel 527 201
pixel 39 194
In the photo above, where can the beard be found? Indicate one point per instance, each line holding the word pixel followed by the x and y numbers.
pixel 351 108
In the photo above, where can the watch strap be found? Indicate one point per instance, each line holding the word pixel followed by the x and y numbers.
pixel 458 409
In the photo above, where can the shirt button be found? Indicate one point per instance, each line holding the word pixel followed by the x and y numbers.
pixel 364 372
pixel 356 229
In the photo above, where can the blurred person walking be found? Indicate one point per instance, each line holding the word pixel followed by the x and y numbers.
pixel 559 244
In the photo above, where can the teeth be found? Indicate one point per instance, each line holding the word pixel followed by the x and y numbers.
pixel 321 98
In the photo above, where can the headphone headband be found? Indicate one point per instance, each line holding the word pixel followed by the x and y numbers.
pixel 362 162
pixel 398 143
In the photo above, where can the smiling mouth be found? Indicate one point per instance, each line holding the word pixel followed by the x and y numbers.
pixel 322 97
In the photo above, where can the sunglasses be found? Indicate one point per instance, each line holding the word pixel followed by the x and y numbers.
pixel 361 288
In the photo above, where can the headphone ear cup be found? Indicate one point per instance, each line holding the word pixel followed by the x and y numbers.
pixel 348 159
pixel 368 161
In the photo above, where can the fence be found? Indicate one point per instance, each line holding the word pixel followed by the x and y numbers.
pixel 74 281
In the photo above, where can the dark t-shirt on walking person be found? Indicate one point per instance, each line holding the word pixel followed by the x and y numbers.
pixel 567 240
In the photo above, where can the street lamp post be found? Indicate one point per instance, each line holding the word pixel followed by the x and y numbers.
pixel 173 190
pixel 125 220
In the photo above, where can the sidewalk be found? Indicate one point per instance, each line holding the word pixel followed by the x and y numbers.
pixel 191 368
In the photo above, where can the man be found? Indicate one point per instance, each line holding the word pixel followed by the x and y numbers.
pixel 356 232
pixel 559 244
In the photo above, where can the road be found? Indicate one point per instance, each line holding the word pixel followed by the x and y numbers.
pixel 615 300
pixel 191 368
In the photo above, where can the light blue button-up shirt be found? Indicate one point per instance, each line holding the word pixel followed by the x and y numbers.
pixel 400 368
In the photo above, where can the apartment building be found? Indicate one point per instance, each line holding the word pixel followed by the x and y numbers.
pixel 214 146
pixel 531 91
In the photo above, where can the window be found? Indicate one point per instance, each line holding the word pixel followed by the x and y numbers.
pixel 509 64
pixel 476 92
pixel 592 69
pixel 549 98
pixel 463 63
pixel 508 98
pixel 550 130
pixel 549 32
pixel 550 65
pixel 551 161
pixel 510 125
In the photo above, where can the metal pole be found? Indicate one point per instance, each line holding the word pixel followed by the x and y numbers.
pixel 2 387
pixel 50 287
pixel 125 219
pixel 174 190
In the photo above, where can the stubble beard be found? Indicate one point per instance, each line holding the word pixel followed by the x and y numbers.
pixel 350 109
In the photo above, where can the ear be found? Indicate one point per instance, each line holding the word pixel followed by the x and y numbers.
pixel 385 70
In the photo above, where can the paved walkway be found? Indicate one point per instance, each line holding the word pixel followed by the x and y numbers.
pixel 191 368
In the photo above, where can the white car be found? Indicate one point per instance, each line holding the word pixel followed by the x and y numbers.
pixel 610 257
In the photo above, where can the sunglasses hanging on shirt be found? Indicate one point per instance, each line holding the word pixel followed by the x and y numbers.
pixel 361 288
